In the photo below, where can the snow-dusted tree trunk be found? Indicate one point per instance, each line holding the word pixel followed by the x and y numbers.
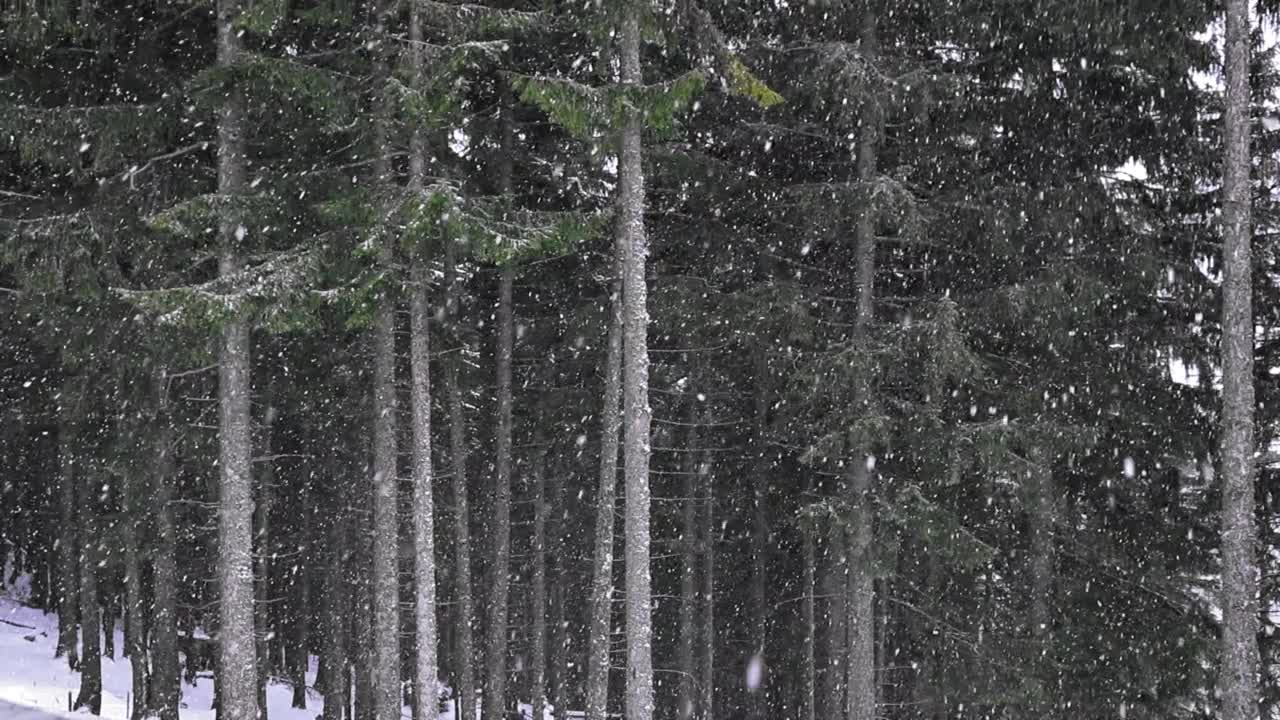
pixel 635 369
pixel 238 678
pixel 466 690
pixel 499 578
pixel 135 647
pixel 809 669
pixel 499 583
pixel 834 584
pixel 538 595
pixel 68 542
pixel 860 700
pixel 599 630
pixel 425 671
pixel 165 687
pixel 758 694
pixel 707 670
pixel 560 633
pixel 686 703
pixel 1237 673
pixel 337 696
pixel 263 543
pixel 300 656
pixel 90 695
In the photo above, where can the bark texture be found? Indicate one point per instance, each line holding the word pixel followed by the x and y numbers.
pixel 90 695
pixel 1238 668
pixel 424 546
pixel 637 415
pixel 538 596
pixel 165 687
pixel 686 701
pixel 237 675
pixel 68 542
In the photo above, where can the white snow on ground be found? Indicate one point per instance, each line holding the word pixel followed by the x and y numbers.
pixel 32 679
pixel 34 684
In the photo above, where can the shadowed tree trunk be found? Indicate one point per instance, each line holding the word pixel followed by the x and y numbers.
pixel 165 686
pixel 90 696
pixel 465 656
pixel 808 670
pixel 263 631
pixel 337 681
pixel 599 630
pixel 1237 672
pixel 538 595
pixel 301 655
pixel 68 542
pixel 559 637
pixel 686 703
pixel 707 680
pixel 135 647
pixel 499 580
pixel 758 696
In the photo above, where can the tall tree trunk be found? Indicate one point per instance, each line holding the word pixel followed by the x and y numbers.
pixel 861 685
pixel 559 577
pixel 466 690
pixel 538 596
pixel 108 606
pixel 758 695
pixel 384 591
pixel 635 364
pixel 600 625
pixel 165 685
pixel 235 496
pixel 809 668
pixel 68 542
pixel 135 648
pixel 1237 676
pixel 361 632
pixel 302 606
pixel 834 583
pixel 90 696
pixel 263 631
pixel 1040 526
pixel 499 583
pixel 425 694
pixel 686 704
pixel 337 682
pixel 707 681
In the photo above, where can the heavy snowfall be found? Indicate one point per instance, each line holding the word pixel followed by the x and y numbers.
pixel 640 359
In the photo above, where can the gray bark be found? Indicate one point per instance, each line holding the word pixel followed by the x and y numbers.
pixel 860 700
pixel 237 679
pixel 165 688
pixel 466 691
pixel 263 543
pixel 834 583
pixel 301 656
pixel 1238 669
pixel 135 648
pixel 68 542
pixel 559 637
pixel 600 624
pixel 686 704
pixel 1040 526
pixel 425 669
pixel 635 367
pixel 707 670
pixel 499 578
pixel 337 696
pixel 426 672
pixel 538 599
pixel 809 669
pixel 756 701
pixel 90 695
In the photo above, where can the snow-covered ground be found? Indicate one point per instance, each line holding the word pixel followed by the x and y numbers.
pixel 34 685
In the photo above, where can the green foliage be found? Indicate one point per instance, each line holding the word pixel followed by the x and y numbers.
pixel 473 21
pixel 279 82
pixel 587 112
pixel 82 140
pixel 263 17
pixel 745 83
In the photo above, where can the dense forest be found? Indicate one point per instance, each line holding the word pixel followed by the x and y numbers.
pixel 714 359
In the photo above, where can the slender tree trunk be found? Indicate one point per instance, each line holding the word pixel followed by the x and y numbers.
pixel 68 542
pixel 135 648
pixel 600 628
pixel 466 690
pixel 385 595
pixel 635 364
pixel 107 607
pixel 337 681
pixel 235 509
pixel 302 606
pixel 834 583
pixel 1041 520
pixel 559 577
pixel 425 693
pixel 707 681
pixel 1237 675
pixel 686 704
pixel 263 532
pixel 165 686
pixel 499 584
pixel 758 696
pixel 861 684
pixel 90 696
pixel 538 599
pixel 361 632
pixel 809 668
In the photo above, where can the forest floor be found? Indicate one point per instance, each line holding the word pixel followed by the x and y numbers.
pixel 34 685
